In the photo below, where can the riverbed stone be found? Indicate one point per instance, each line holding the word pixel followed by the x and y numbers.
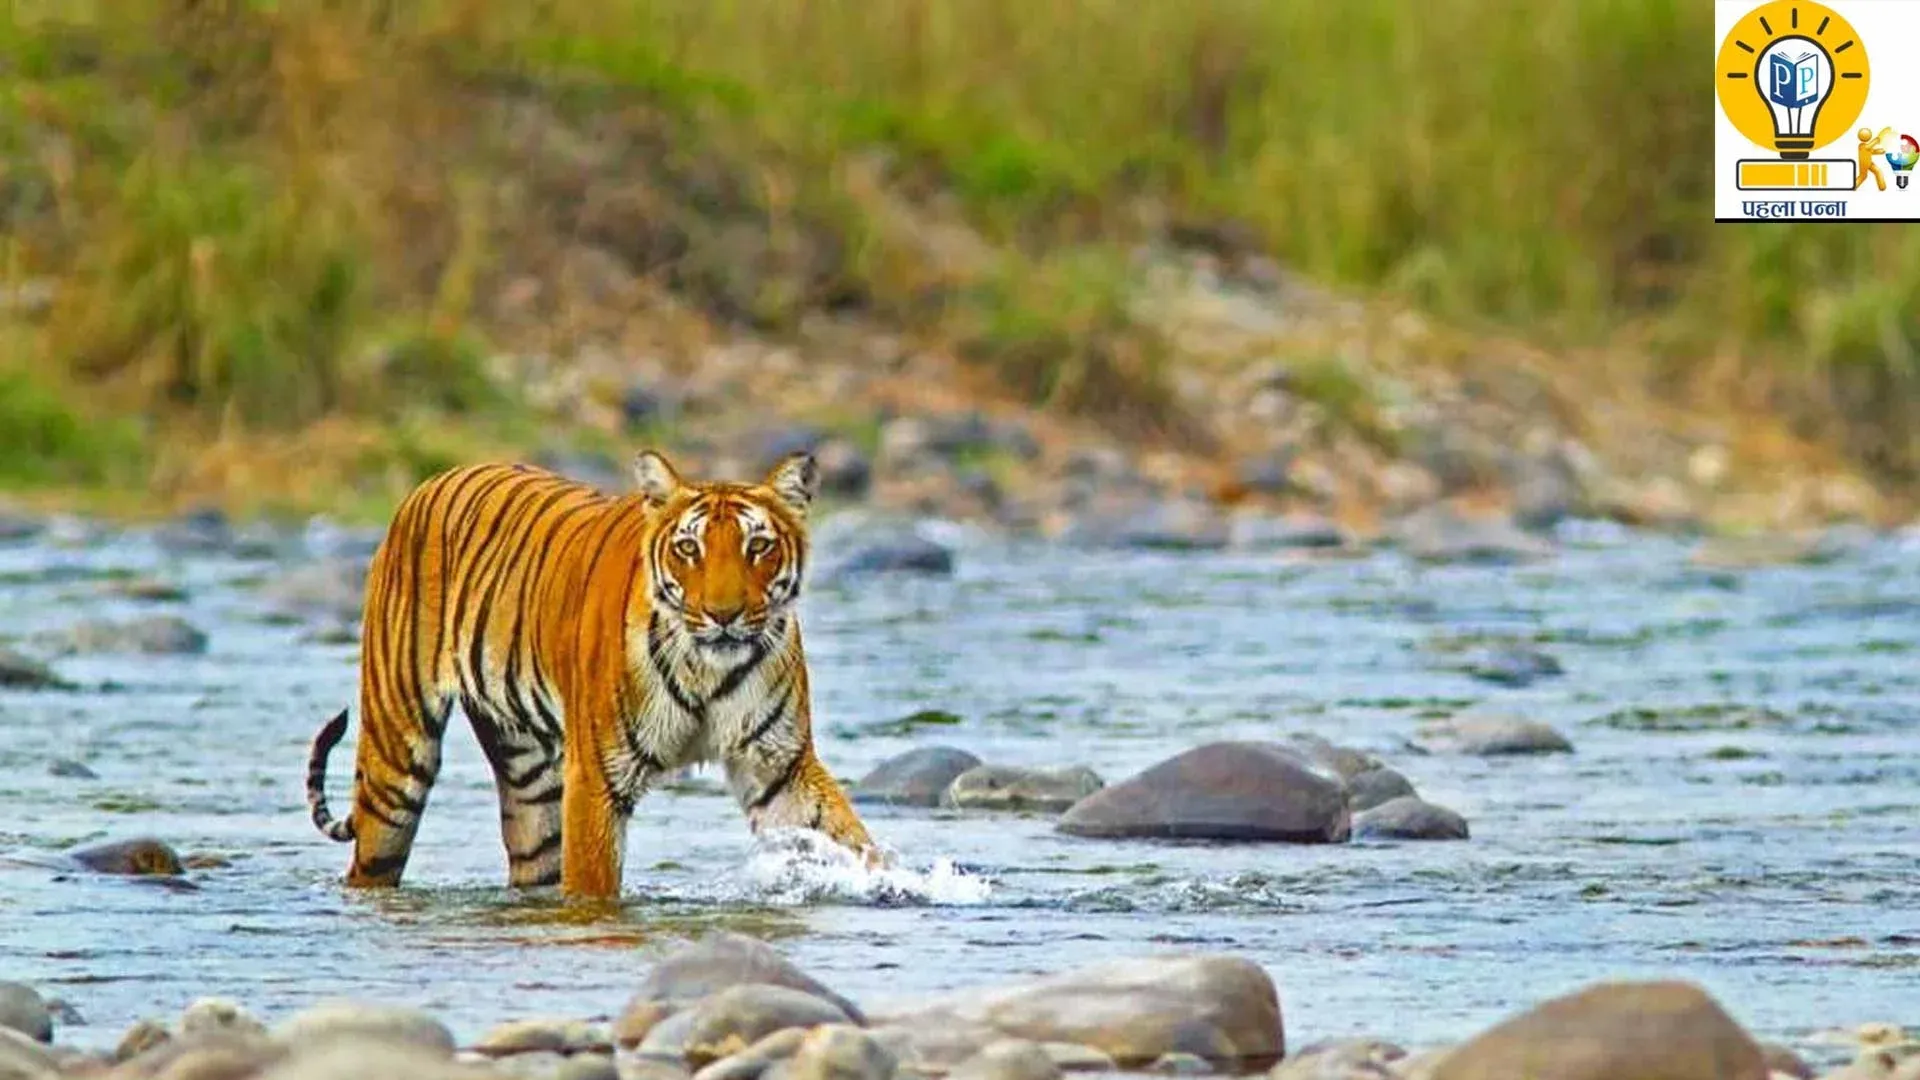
pixel 1342 1059
pixel 25 1057
pixel 708 966
pixel 1285 532
pixel 836 1052
pixel 918 777
pixel 1342 761
pixel 1662 1030
pixel 364 1055
pixel 19 671
pixel 1180 1063
pixel 22 1009
pixel 210 1014
pixel 1409 818
pixel 208 1055
pixel 739 1016
pixel 138 857
pixel 339 1018
pixel 153 635
pixel 1491 735
pixel 748 1064
pixel 1008 1059
pixel 556 1035
pixel 1376 787
pixel 1221 1008
pixel 934 1049
pixel 324 590
pixel 1074 1057
pixel 649 1068
pixel 1785 1061
pixel 883 549
pixel 1512 665
pixel 667 1039
pixel 1219 791
pixel 1012 787
pixel 144 1035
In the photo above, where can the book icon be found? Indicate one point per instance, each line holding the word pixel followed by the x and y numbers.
pixel 1793 81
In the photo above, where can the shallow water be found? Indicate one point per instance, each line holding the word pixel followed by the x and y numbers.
pixel 1768 851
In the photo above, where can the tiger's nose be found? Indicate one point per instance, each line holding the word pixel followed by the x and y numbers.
pixel 726 616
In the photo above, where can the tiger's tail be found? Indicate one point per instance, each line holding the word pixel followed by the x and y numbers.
pixel 323 743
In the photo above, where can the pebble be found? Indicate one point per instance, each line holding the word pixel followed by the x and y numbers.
pixel 559 1036
pixel 368 1056
pixel 339 1017
pixel 143 1036
pixel 211 1014
pixel 1512 665
pixel 1220 791
pixel 748 1064
pixel 1409 818
pixel 153 635
pixel 1009 787
pixel 903 552
pixel 708 966
pixel 1344 1059
pixel 1376 787
pixel 1664 1030
pixel 837 1052
pixel 68 769
pixel 1073 1057
pixel 24 1057
pixel 1493 736
pixel 1180 1064
pixel 22 1009
pixel 918 777
pixel 149 590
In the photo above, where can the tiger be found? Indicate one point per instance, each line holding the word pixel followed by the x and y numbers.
pixel 596 643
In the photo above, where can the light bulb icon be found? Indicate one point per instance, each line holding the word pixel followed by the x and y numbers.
pixel 1794 76
pixel 1903 157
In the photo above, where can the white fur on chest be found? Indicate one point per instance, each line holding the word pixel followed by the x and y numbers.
pixel 676 736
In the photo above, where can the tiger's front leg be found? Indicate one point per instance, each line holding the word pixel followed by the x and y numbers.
pixel 593 830
pixel 794 790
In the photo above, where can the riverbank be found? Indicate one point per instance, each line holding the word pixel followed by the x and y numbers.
pixel 730 1006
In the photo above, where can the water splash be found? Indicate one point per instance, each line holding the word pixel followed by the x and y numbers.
pixel 801 867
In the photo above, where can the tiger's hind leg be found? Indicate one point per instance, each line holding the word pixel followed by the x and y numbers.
pixel 394 770
pixel 528 775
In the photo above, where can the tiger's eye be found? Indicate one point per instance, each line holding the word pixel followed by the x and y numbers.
pixel 758 546
pixel 686 548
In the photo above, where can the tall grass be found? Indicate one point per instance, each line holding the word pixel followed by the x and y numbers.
pixel 1544 167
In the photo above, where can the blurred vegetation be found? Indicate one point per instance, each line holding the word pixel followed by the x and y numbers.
pixel 260 213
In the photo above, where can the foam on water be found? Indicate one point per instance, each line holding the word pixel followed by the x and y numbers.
pixel 802 867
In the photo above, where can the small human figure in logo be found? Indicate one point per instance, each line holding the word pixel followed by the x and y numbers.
pixel 1869 146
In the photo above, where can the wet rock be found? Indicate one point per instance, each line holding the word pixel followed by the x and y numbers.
pixel 206 860
pixel 1008 1059
pixel 155 635
pixel 1442 534
pixel 327 589
pixel 918 777
pixel 364 1056
pixel 140 857
pixel 208 1015
pixel 198 532
pixel 1285 532
pixel 845 472
pixel 1493 736
pixel 18 672
pixel 1716 716
pixel 1376 787
pixel 216 1055
pixel 739 1016
pixel 924 1049
pixel 1345 1059
pixel 1220 1008
pixel 708 966
pixel 1073 1057
pixel 25 1058
pixel 665 1039
pixel 1512 665
pixel 534 1064
pixel 1012 787
pixel 589 1066
pixel 1169 525
pixel 1608 1031
pixel 1409 818
pixel 16 527
pixel 836 1052
pixel 142 1037
pixel 1219 791
pixel 22 1009
pixel 750 1063
pixel 885 551
pixel 340 1018
pixel 1341 761
pixel 651 1069
pixel 558 1036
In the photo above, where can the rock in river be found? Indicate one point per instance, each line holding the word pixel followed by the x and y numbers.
pixel 918 777
pixel 18 672
pixel 154 635
pixel 1493 736
pixel 739 1016
pixel 1223 1009
pixel 1409 818
pixel 836 1052
pixel 1609 1031
pixel 1220 791
pixel 22 1009
pixel 1376 787
pixel 1006 787
pixel 707 967
pixel 142 857
pixel 341 1018
pixel 1442 534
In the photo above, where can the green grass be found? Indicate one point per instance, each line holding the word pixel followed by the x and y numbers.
pixel 264 213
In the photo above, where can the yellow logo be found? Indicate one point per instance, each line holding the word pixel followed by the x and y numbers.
pixel 1792 77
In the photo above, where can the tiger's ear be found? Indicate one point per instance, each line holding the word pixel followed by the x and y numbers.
pixel 654 477
pixel 796 480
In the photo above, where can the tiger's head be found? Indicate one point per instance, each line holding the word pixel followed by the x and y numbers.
pixel 725 559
